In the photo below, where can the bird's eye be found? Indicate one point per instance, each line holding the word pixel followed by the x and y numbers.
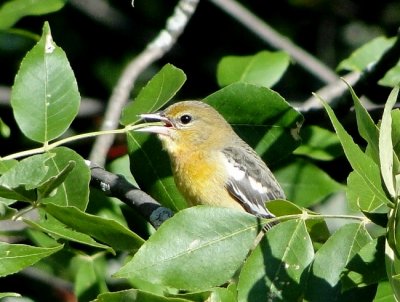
pixel 185 119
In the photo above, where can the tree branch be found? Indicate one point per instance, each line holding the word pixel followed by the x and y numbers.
pixel 276 40
pixel 155 50
pixel 330 92
pixel 117 186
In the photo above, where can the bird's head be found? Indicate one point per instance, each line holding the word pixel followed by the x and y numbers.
pixel 188 124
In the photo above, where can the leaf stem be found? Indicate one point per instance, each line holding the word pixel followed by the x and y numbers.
pixel 47 147
pixel 307 216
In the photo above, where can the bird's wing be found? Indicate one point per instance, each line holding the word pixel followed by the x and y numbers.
pixel 250 181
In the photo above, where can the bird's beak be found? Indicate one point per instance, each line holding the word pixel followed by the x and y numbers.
pixel 158 129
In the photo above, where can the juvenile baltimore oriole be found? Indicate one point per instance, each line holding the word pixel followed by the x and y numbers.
pixel 211 164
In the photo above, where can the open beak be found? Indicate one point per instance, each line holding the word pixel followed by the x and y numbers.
pixel 158 129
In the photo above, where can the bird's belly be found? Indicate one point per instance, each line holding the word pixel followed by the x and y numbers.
pixel 201 182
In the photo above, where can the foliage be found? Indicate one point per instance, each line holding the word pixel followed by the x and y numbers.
pixel 203 253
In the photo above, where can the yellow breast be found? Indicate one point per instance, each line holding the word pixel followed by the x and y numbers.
pixel 201 179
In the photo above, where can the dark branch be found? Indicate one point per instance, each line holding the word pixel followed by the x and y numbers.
pixel 117 186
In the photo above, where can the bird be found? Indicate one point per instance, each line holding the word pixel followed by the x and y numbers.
pixel 210 163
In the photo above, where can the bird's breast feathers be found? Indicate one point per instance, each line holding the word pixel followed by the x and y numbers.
pixel 201 179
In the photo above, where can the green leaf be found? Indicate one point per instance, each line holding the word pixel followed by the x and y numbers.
pixel 45 97
pixel 274 269
pixel 158 91
pixel 6 165
pixel 393 229
pixel 135 295
pixel 151 169
pixel 6 212
pixel 196 249
pixel 12 11
pixel 396 133
pixel 261 117
pixel 384 293
pixel 221 294
pixel 29 172
pixel 319 143
pixel 264 68
pixel 3 295
pixel 153 288
pixel 20 182
pixel 386 145
pixel 324 280
pixel 120 166
pixel 392 77
pixel 74 190
pixel 360 195
pixel 4 129
pixel 305 184
pixel 89 272
pixel 316 228
pixel 393 270
pixel 50 184
pixel 366 267
pixel 58 230
pixel 44 240
pixel 15 257
pixel 366 126
pixel 363 165
pixel 216 294
pixel 366 54
pixel 111 208
pixel 107 231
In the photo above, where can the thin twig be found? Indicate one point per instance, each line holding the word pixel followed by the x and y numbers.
pixel 49 146
pixel 155 50
pixel 276 40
